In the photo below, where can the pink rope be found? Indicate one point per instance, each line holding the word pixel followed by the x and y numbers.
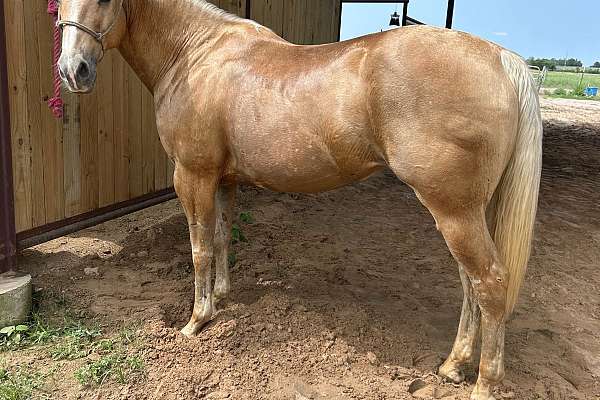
pixel 55 103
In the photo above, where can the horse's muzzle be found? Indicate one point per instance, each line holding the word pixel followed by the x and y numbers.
pixel 78 73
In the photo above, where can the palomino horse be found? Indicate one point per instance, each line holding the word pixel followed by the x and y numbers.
pixel 455 117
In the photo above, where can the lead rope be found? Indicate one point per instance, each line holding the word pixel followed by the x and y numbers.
pixel 55 103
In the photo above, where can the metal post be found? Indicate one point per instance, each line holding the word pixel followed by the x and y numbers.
pixel 248 10
pixel 404 13
pixel 8 237
pixel 450 14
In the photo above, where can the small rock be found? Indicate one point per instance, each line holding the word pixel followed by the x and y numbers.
pixel 401 373
pixel 91 271
pixel 142 254
pixel 427 391
pixel 342 360
pixel 507 395
pixel 372 358
pixel 416 385
pixel 302 391
pixel 300 308
pixel 218 395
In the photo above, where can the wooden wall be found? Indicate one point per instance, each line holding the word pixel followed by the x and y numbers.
pixel 300 21
pixel 106 148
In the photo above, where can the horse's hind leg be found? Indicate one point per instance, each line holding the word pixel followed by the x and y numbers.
pixel 470 243
pixel 224 205
pixel 462 351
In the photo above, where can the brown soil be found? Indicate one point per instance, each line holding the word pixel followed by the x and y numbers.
pixel 350 294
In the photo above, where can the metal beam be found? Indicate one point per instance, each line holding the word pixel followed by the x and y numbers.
pixel 8 238
pixel 450 14
pixel 67 226
pixel 405 14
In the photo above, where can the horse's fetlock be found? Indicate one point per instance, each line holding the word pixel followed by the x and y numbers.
pixel 492 372
pixel 465 354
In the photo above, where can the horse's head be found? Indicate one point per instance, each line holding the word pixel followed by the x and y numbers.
pixel 89 28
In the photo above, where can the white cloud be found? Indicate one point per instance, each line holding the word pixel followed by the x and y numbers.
pixel 500 33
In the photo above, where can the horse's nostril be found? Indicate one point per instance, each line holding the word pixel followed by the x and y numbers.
pixel 83 71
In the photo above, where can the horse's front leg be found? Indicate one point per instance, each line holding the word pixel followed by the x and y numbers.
pixel 196 191
pixel 225 202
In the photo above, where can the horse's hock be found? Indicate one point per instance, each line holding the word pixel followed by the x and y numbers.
pixel 15 298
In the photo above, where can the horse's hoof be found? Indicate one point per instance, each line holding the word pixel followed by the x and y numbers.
pixel 451 374
pixel 190 330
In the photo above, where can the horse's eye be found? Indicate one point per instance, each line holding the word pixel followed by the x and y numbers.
pixel 103 1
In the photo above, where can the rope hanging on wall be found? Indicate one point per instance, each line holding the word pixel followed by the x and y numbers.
pixel 55 103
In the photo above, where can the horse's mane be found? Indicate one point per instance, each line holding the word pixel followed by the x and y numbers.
pixel 210 8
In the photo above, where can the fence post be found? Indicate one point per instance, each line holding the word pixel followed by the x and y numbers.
pixel 8 237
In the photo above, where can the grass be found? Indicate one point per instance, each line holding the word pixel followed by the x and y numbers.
pixel 68 338
pixel 20 384
pixel 116 358
pixel 568 84
pixel 63 335
pixel 115 365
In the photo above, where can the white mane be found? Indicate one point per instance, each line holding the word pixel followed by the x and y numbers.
pixel 210 8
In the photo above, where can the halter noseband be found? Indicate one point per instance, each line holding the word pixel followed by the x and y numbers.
pixel 98 36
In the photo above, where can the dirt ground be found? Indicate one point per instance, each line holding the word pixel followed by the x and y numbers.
pixel 350 294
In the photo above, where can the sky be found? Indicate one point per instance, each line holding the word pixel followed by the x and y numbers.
pixel 538 28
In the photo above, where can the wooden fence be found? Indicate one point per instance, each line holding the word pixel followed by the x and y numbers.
pixel 106 148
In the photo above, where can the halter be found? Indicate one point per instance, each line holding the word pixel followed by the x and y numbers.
pixel 98 36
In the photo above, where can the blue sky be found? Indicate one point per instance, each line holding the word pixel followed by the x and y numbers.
pixel 539 28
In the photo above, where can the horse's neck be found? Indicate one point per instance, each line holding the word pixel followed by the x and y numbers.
pixel 160 33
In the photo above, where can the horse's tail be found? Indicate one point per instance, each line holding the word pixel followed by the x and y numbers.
pixel 516 197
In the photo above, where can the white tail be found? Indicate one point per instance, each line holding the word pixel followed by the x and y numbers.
pixel 517 194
